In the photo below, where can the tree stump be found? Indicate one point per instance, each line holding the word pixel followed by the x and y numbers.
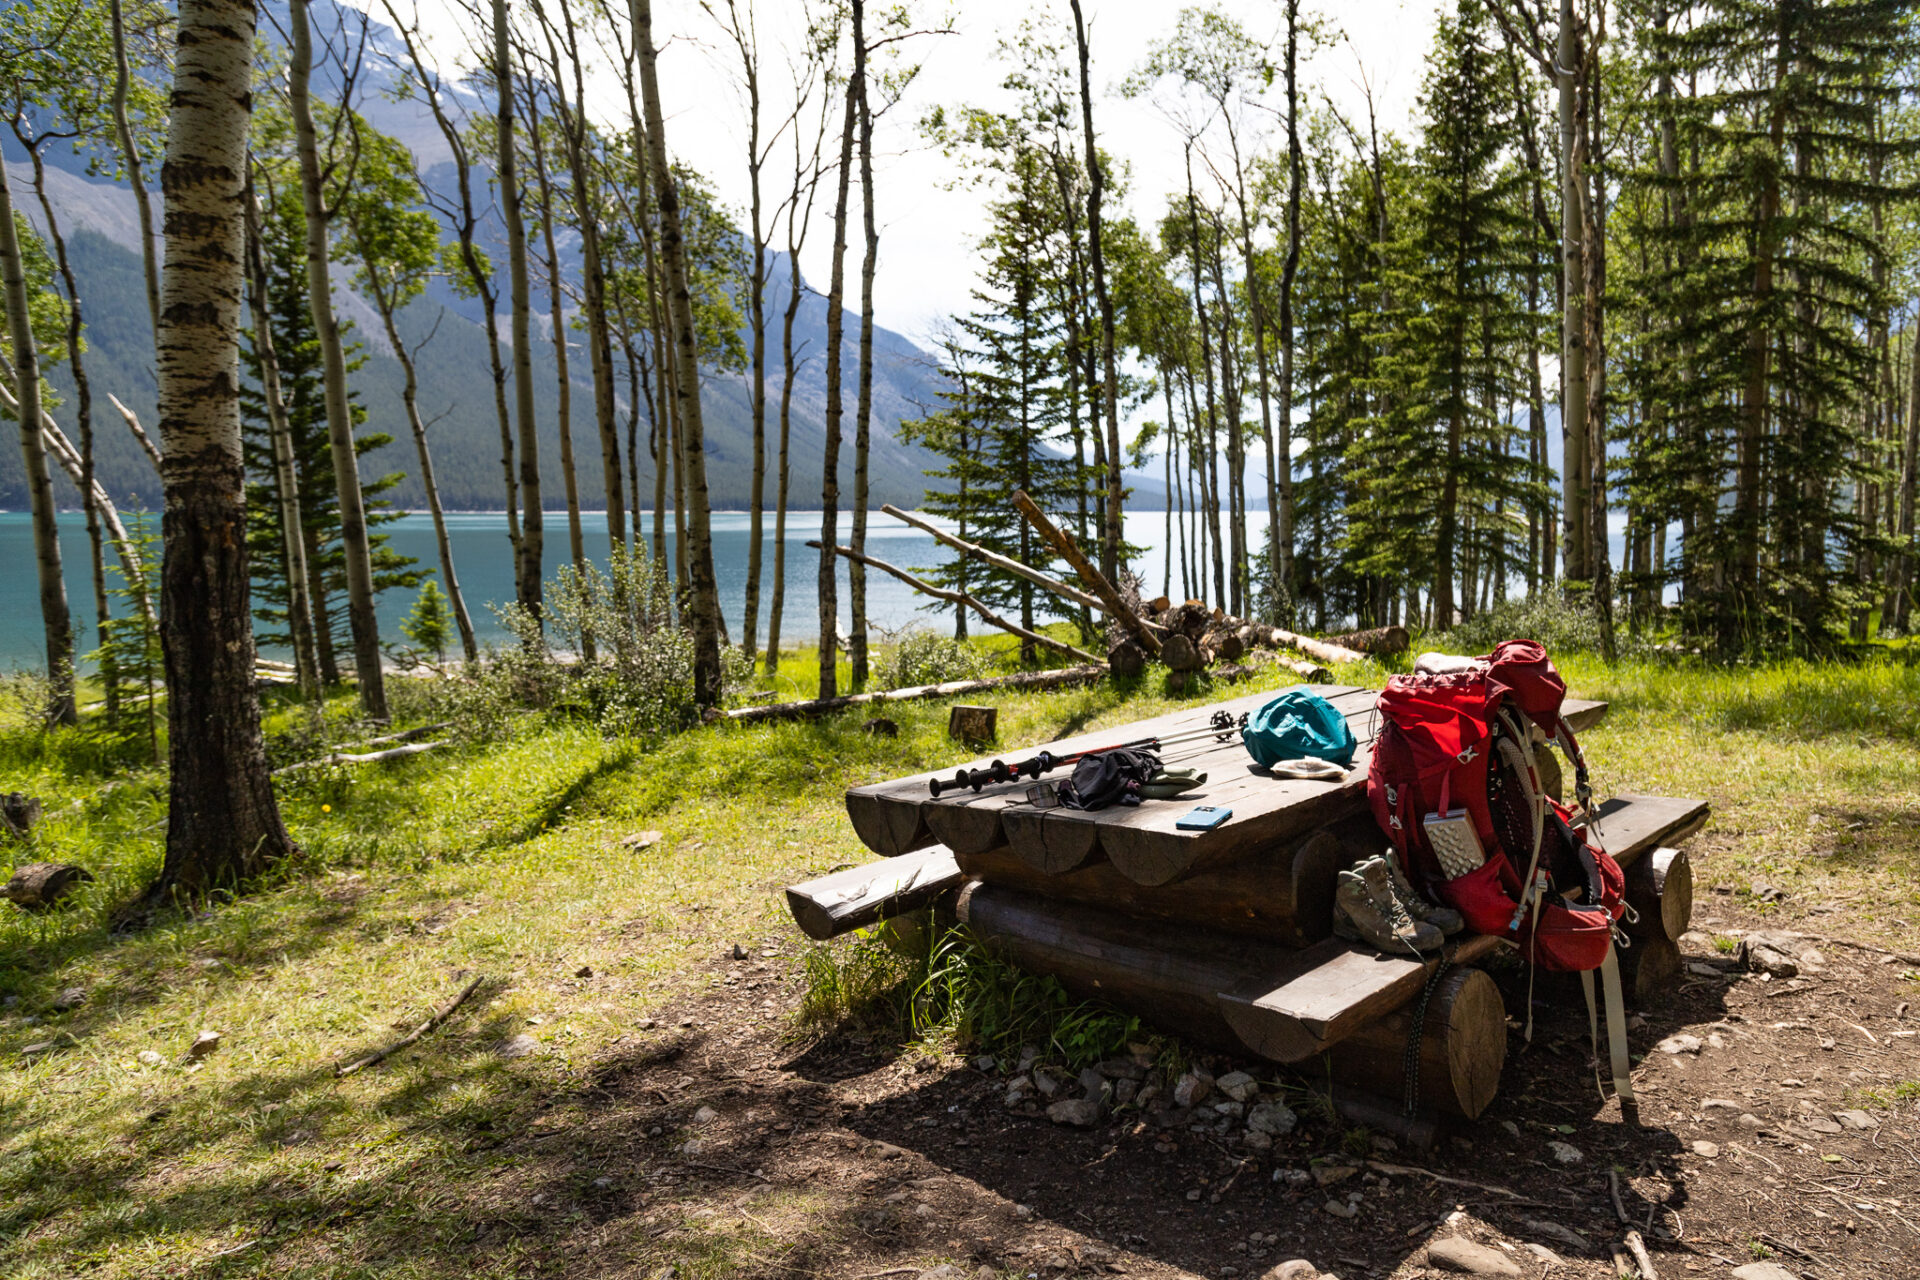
pixel 1463 1045
pixel 1660 889
pixel 1225 646
pixel 1127 660
pixel 972 724
pixel 39 885
pixel 18 813
pixel 1181 654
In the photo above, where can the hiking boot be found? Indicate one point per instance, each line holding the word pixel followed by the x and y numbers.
pixel 1445 919
pixel 1362 915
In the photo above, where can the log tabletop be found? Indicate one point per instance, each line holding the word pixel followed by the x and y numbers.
pixel 1141 842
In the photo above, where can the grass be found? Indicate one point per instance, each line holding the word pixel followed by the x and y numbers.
pixel 507 859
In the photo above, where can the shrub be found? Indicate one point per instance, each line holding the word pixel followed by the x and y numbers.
pixel 927 657
pixel 1562 626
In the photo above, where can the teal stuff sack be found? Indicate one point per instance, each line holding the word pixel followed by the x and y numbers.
pixel 1297 723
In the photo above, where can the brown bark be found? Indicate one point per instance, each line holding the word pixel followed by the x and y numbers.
pixel 56 622
pixel 361 620
pixel 704 601
pixel 82 415
pixel 223 827
pixel 506 168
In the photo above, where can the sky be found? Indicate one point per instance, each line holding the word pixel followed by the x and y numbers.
pixel 929 224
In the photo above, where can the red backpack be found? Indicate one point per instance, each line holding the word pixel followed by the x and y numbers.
pixel 1455 786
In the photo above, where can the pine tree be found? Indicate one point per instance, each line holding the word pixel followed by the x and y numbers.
pixel 302 385
pixel 1761 329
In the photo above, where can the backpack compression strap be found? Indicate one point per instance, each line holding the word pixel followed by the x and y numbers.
pixel 1616 1027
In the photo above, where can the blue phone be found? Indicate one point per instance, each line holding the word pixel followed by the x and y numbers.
pixel 1205 818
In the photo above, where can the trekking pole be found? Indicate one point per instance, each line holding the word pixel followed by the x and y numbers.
pixel 1221 727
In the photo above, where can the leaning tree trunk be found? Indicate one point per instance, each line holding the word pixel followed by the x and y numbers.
pixel 54 617
pixel 346 466
pixel 836 294
pixel 130 156
pixel 286 485
pixel 704 605
pixel 776 606
pixel 83 416
pixel 863 396
pixel 223 827
pixel 532 528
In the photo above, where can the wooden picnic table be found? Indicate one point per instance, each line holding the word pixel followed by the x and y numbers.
pixel 1142 843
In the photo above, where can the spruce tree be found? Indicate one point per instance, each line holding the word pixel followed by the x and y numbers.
pixel 1762 329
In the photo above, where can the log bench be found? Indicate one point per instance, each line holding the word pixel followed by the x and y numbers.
pixel 1222 935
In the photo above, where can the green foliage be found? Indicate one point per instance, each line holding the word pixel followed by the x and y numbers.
pixel 926 657
pixel 296 349
pixel 976 1001
pixel 131 650
pixel 429 623
pixel 1562 624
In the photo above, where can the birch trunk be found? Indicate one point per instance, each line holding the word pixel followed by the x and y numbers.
pixel 346 467
pixel 863 396
pixel 532 528
pixel 55 620
pixel 223 827
pixel 83 416
pixel 836 294
pixel 557 315
pixel 704 602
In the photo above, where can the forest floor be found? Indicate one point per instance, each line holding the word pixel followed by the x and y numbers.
pixel 631 1093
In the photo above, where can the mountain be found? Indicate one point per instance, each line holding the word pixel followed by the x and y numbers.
pixel 456 394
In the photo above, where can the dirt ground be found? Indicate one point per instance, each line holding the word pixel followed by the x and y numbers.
pixel 852 1158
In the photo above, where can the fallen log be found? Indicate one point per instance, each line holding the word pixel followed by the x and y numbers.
pixel 1463 1046
pixel 1660 890
pixel 998 561
pixel 961 598
pixel 1322 650
pixel 867 894
pixel 1381 640
pixel 1065 545
pixel 369 757
pixel 952 688
pixel 38 885
pixel 1167 974
pixel 1281 895
pixel 1311 672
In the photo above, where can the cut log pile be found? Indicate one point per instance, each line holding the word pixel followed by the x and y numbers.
pixel 1223 936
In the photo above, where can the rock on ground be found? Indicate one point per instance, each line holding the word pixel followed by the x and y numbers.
pixel 1763 1271
pixel 1457 1254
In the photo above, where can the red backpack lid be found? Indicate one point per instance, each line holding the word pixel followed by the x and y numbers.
pixel 1522 670
pixel 1443 718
